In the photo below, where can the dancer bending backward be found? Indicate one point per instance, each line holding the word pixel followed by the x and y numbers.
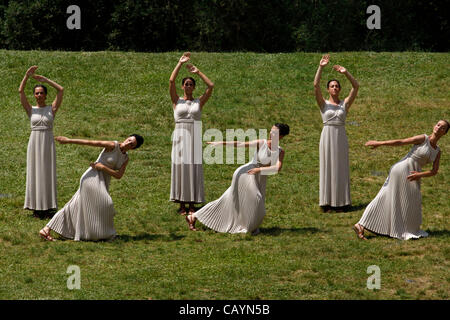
pixel 40 194
pixel 187 170
pixel 89 215
pixel 241 208
pixel 334 186
pixel 396 211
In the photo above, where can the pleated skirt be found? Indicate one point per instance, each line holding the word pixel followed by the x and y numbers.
pixel 89 215
pixel 396 211
pixel 40 193
pixel 334 187
pixel 187 168
pixel 241 208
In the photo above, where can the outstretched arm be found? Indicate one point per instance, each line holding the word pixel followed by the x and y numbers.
pixel 398 142
pixel 417 175
pixel 108 145
pixel 238 144
pixel 172 86
pixel 355 86
pixel 210 85
pixel 59 94
pixel 317 91
pixel 115 173
pixel 23 98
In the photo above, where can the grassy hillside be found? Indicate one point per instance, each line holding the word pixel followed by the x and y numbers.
pixel 301 253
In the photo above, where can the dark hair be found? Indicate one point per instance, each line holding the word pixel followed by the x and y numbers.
pixel 448 125
pixel 284 128
pixel 328 83
pixel 40 86
pixel 139 140
pixel 187 78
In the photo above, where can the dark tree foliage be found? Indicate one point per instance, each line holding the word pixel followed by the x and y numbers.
pixel 225 25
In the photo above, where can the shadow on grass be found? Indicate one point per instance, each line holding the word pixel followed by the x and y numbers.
pixel 358 207
pixel 344 209
pixel 432 234
pixel 277 231
pixel 129 238
pixel 439 233
pixel 149 237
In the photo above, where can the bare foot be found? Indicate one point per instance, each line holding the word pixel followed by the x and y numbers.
pixel 45 234
pixel 191 222
pixel 359 230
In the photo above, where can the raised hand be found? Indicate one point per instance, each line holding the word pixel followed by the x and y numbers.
pixel 31 70
pixel 191 68
pixel 324 61
pixel 62 140
pixel 372 144
pixel 40 78
pixel 185 57
pixel 339 68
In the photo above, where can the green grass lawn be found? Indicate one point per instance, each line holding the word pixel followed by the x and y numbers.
pixel 301 252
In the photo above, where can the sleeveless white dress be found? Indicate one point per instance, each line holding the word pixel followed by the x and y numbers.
pixel 89 215
pixel 334 187
pixel 40 193
pixel 187 156
pixel 396 211
pixel 241 208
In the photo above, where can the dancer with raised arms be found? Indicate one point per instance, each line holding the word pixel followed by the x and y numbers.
pixel 40 193
pixel 334 187
pixel 187 169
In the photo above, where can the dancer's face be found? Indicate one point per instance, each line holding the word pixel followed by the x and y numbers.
pixel 334 88
pixel 129 143
pixel 440 128
pixel 188 86
pixel 40 95
pixel 275 133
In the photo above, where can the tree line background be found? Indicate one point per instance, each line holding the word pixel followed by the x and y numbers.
pixel 225 25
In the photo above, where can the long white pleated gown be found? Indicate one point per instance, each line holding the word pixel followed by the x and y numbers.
pixel 241 208
pixel 40 193
pixel 89 215
pixel 396 211
pixel 187 168
pixel 334 187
